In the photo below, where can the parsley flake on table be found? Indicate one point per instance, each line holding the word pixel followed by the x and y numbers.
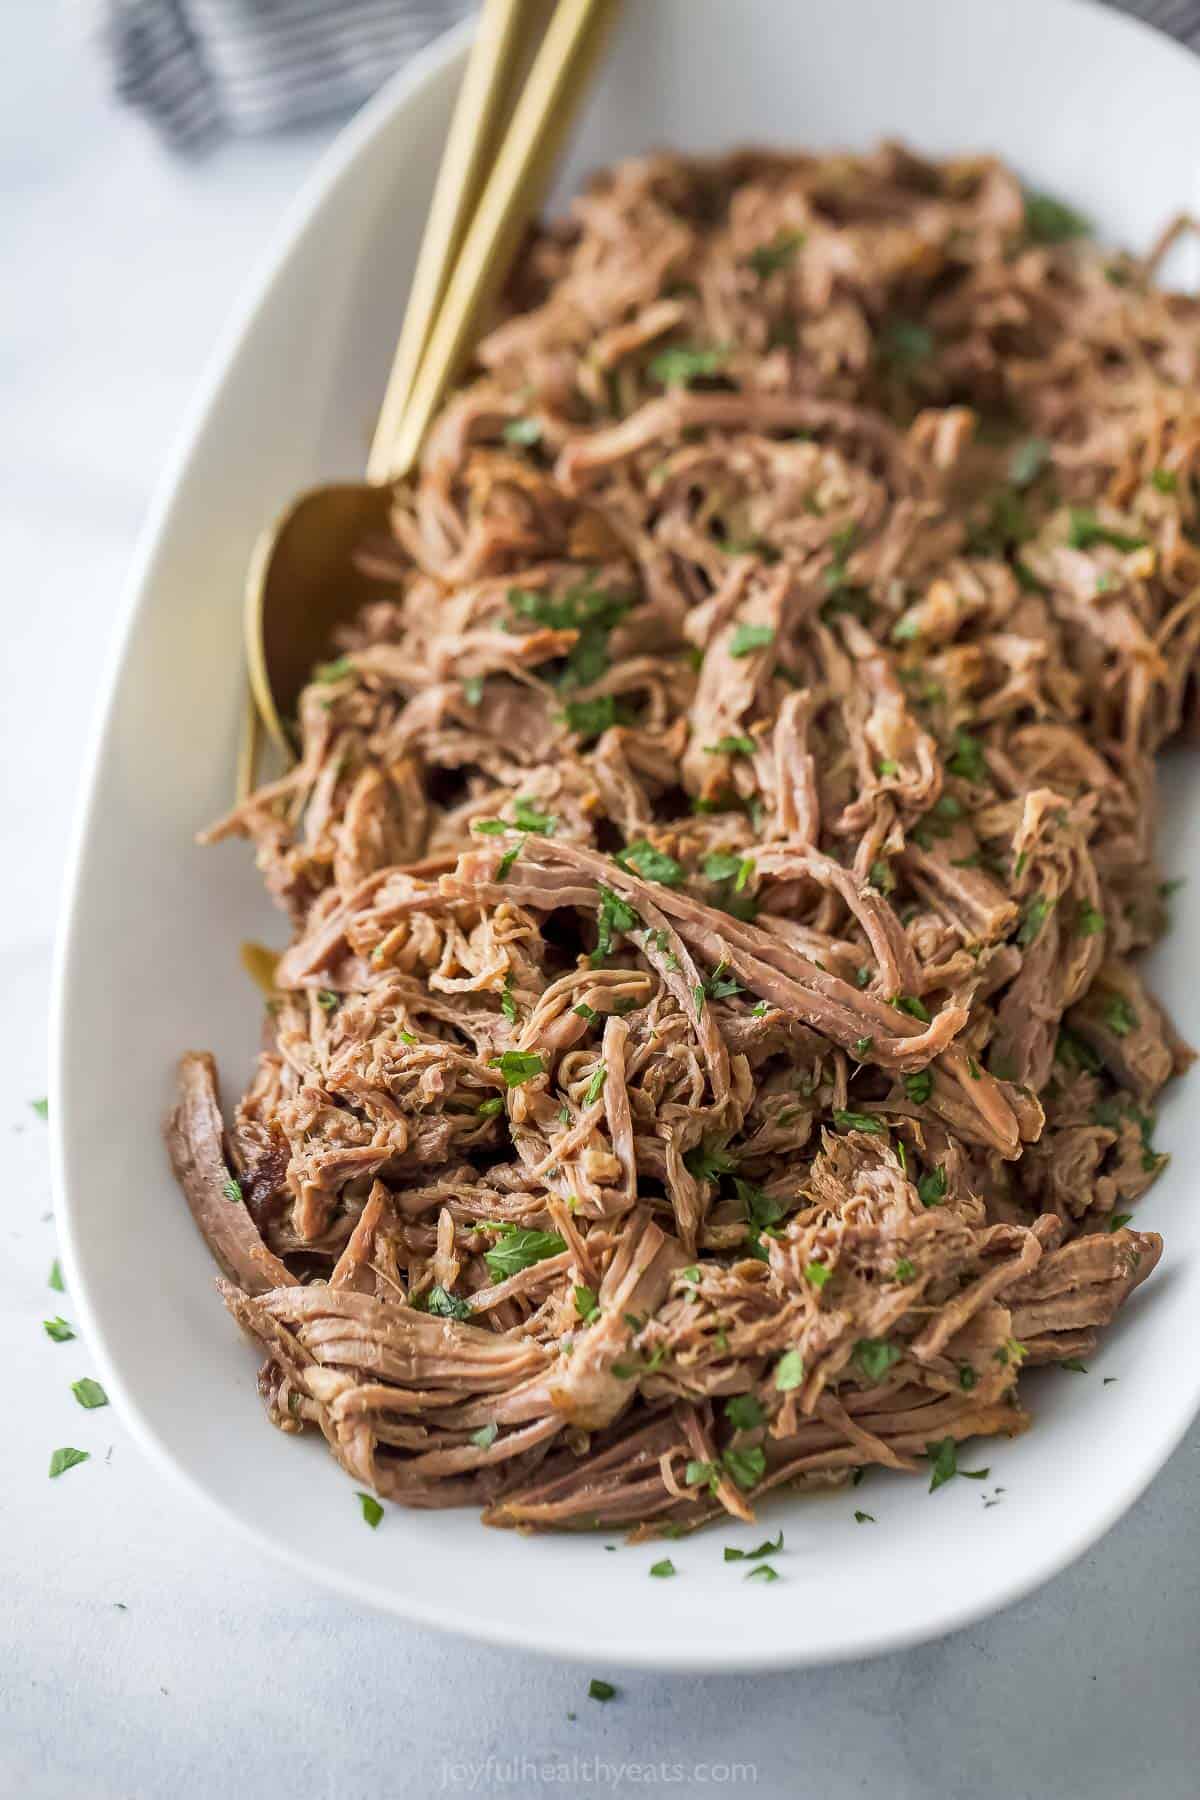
pixel 67 1458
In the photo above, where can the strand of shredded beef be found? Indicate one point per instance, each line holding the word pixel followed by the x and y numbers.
pixel 709 1054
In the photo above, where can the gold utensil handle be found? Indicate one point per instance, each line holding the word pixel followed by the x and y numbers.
pixel 538 125
pixel 470 145
pixel 249 743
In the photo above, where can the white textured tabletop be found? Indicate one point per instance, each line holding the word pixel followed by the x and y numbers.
pixel 143 1650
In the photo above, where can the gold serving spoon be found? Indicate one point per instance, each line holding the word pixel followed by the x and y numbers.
pixel 302 581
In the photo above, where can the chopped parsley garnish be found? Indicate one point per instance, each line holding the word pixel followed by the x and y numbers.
pixel 967 758
pixel 67 1459
pixel 768 1547
pixel 473 690
pixel 904 345
pixel 523 432
pixel 916 1009
pixel 880 876
pixel 41 1108
pixel 904 1270
pixel 485 1437
pixel 595 1086
pixel 613 915
pixel 232 1190
pixel 681 364
pixel 327 1000
pixel 751 637
pixel 592 613
pixel 817 1274
pixel 442 1304
pixel 1087 530
pixel 744 1412
pixel 931 1189
pixel 334 671
pixel 519 1249
pixel 652 865
pixel 517 1066
pixel 1119 1016
pixel 762 1211
pixel 663 1568
pixel 1073 1363
pixel 489 1108
pixel 777 254
pixel 709 1160
pixel 876 1356
pixel 731 746
pixel 918 1087
pixel 54 1279
pixel 720 866
pixel 58 1329
pixel 1073 1053
pixel 89 1393
pixel 719 985
pixel 600 1690
pixel 864 1518
pixel 789 1371
pixel 1049 221
pixel 526 817
pixel 591 717
pixel 943 1457
pixel 508 1006
pixel 1036 914
pixel 763 1572
pixel 1088 922
pixel 372 1512
pixel 1027 461
pixel 506 862
pixel 587 1307
pixel 1119 1221
pixel 862 1045
pixel 745 1466
pixel 856 1121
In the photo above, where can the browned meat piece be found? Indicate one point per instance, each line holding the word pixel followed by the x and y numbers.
pixel 196 1145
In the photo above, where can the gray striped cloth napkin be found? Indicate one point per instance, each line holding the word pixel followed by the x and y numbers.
pixel 199 69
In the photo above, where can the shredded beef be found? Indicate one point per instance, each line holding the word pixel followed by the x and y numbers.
pixel 709 1056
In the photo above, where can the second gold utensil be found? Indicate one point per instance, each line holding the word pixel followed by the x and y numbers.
pixel 302 580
